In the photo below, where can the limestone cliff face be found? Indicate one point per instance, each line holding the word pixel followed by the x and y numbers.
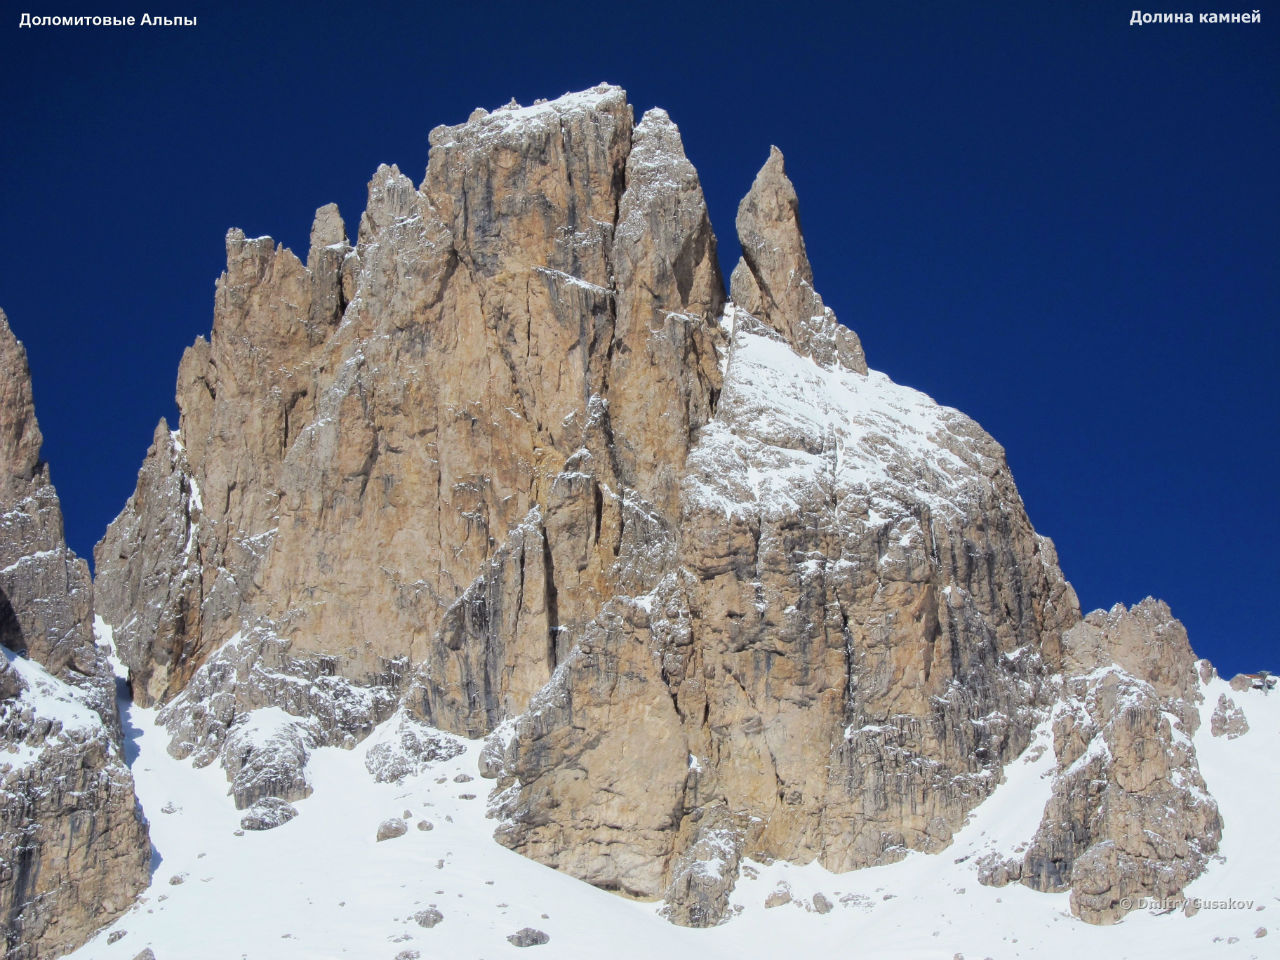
pixel 1130 816
pixel 422 463
pixel 850 642
pixel 515 462
pixel 73 846
pixel 46 597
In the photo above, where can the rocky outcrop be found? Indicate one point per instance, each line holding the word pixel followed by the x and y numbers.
pixel 267 814
pixel 73 845
pixel 433 448
pixel 46 598
pixel 850 643
pixel 528 937
pixel 1130 817
pixel 74 850
pixel 410 749
pixel 1228 720
pixel 149 580
pixel 391 828
pixel 260 711
pixel 773 280
pixel 428 918
pixel 1146 642
pixel 848 640
pixel 515 465
pixel 702 877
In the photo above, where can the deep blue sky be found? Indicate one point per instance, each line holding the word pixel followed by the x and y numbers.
pixel 1061 224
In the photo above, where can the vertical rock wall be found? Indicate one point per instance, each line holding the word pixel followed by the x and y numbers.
pixel 73 845
pixel 514 456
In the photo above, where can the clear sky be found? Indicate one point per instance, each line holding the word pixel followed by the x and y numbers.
pixel 1062 224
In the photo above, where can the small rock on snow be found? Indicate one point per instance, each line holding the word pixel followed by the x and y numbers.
pixel 391 828
pixel 528 937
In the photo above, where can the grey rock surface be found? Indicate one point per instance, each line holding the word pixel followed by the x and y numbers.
pixel 428 918
pixel 267 814
pixel 528 937
pixel 1228 720
pixel 74 850
pixel 391 828
pixel 1130 816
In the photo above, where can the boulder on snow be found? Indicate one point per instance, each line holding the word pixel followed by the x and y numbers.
pixel 392 827
pixel 779 897
pixel 1228 719
pixel 528 937
pixel 267 814
pixel 414 747
pixel 428 918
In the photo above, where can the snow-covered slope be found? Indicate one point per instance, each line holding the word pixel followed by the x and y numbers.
pixel 60 714
pixel 322 886
pixel 788 424
pixel 72 845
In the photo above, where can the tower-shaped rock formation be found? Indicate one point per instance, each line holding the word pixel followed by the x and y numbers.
pixel 73 847
pixel 515 463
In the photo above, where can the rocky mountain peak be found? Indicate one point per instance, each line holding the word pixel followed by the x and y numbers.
pixel 327 230
pixel 1146 640
pixel 773 280
pixel 20 438
pixel 73 844
pixel 514 467
pixel 46 599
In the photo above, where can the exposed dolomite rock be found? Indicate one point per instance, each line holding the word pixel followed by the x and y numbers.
pixel 703 876
pixel 73 846
pixel 833 659
pixel 774 281
pixel 411 747
pixel 514 464
pixel 267 814
pixel 46 598
pixel 1228 719
pixel 834 656
pixel 261 712
pixel 459 472
pixel 1129 817
pixel 149 577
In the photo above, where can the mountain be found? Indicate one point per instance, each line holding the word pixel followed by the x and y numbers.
pixel 73 843
pixel 513 486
